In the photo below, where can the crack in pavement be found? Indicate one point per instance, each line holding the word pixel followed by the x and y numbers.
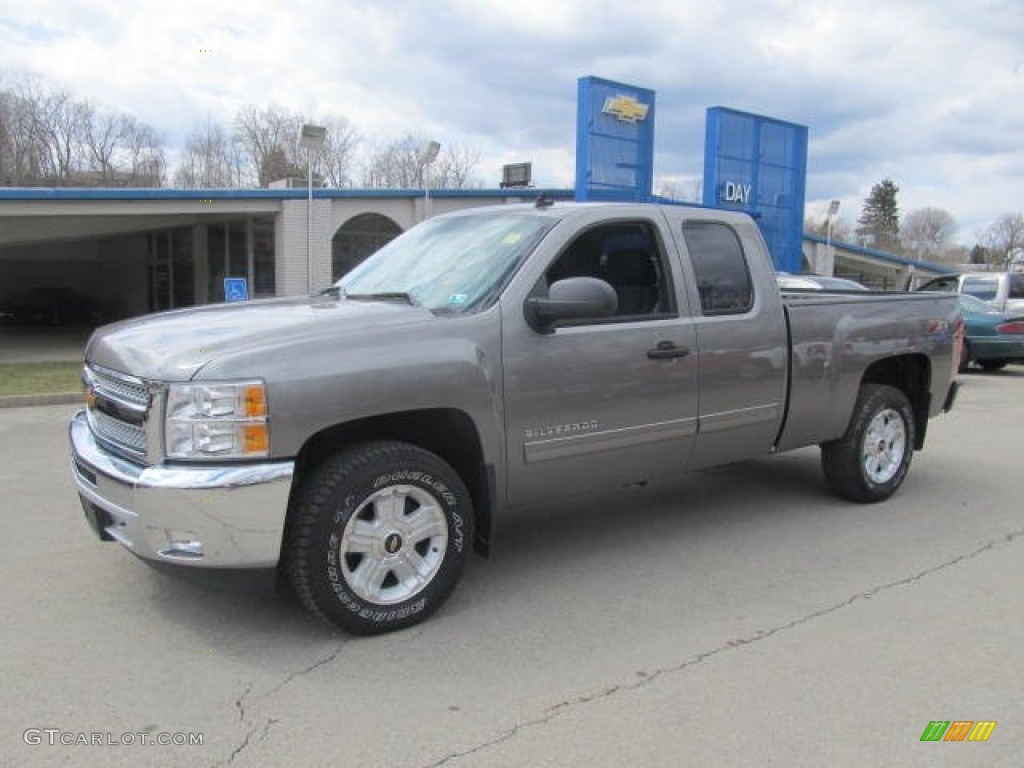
pixel 240 705
pixel 565 706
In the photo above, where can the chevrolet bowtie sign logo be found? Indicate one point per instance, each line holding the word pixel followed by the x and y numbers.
pixel 625 108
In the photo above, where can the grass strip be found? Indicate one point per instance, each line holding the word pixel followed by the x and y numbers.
pixel 39 378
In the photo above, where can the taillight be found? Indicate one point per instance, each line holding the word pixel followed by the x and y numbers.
pixel 1017 326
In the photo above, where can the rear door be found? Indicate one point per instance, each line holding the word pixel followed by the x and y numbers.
pixel 741 335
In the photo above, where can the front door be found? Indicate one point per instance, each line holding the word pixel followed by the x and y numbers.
pixel 606 403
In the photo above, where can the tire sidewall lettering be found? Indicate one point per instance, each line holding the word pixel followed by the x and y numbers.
pixel 333 561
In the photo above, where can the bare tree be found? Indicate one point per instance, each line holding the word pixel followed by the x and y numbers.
pixel 399 165
pixel 270 138
pixel 682 189
pixel 210 159
pixel 49 137
pixel 927 232
pixel 334 163
pixel 102 135
pixel 454 167
pixel 59 124
pixel 1004 237
pixel 144 153
pixel 842 230
pixel 19 162
pixel 395 166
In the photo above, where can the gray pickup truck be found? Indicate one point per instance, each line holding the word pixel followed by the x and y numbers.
pixel 363 439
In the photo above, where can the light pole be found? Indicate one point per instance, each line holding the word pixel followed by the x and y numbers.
pixel 311 138
pixel 427 155
pixel 833 209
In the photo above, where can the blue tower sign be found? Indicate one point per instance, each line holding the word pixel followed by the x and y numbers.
pixel 614 141
pixel 758 164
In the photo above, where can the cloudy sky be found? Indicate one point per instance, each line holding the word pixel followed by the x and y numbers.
pixel 929 93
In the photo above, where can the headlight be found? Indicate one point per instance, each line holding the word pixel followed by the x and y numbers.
pixel 217 420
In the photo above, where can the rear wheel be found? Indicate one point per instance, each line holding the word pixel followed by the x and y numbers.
pixel 965 357
pixel 993 365
pixel 870 461
pixel 377 537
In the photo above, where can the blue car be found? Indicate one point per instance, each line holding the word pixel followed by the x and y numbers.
pixel 993 339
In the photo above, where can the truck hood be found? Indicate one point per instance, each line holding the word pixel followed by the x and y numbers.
pixel 174 346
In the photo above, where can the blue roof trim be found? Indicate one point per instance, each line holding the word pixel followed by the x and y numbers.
pixel 938 269
pixel 92 193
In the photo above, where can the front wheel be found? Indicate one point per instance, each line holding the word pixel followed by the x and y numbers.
pixel 869 462
pixel 378 536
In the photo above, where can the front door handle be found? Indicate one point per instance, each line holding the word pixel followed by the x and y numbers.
pixel 666 350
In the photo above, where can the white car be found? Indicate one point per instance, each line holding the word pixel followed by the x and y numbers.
pixel 1002 290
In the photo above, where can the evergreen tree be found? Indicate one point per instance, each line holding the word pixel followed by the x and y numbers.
pixel 879 221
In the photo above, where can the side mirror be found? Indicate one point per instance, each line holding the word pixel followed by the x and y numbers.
pixel 574 298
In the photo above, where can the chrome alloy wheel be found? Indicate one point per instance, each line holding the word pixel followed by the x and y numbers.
pixel 394 544
pixel 885 443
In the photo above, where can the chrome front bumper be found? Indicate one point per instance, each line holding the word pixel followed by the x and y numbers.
pixel 219 516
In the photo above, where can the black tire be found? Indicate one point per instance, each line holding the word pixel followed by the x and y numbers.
pixel 377 537
pixel 870 461
pixel 993 365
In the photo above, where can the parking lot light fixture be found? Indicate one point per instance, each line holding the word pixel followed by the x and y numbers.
pixel 311 139
pixel 833 209
pixel 427 156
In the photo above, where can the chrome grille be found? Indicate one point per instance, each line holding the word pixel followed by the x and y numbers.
pixel 118 410
pixel 121 433
pixel 126 389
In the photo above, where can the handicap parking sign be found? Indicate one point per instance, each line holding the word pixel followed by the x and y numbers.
pixel 235 289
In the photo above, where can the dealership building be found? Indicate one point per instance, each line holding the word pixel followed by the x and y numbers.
pixel 132 251
pixel 135 251
pixel 143 250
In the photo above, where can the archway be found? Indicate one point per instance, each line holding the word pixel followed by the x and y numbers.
pixel 359 237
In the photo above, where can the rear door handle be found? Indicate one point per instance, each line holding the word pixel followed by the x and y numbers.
pixel 666 350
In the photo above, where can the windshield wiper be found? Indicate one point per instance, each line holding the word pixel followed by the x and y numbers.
pixel 384 296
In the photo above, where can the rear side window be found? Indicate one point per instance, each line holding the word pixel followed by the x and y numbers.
pixel 983 288
pixel 1016 287
pixel 723 279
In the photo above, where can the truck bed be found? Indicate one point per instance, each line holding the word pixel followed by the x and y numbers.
pixel 835 338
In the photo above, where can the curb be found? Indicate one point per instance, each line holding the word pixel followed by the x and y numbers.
pixel 55 398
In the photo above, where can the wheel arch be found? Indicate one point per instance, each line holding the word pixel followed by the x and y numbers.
pixel 912 375
pixel 447 432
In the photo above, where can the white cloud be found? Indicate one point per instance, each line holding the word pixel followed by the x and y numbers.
pixel 928 93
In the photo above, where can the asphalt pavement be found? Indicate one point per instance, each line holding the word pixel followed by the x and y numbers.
pixel 744 618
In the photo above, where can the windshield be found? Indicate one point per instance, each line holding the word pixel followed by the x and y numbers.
pixel 449 264
pixel 983 287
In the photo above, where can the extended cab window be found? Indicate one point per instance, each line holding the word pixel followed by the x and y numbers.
pixel 626 255
pixel 720 267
